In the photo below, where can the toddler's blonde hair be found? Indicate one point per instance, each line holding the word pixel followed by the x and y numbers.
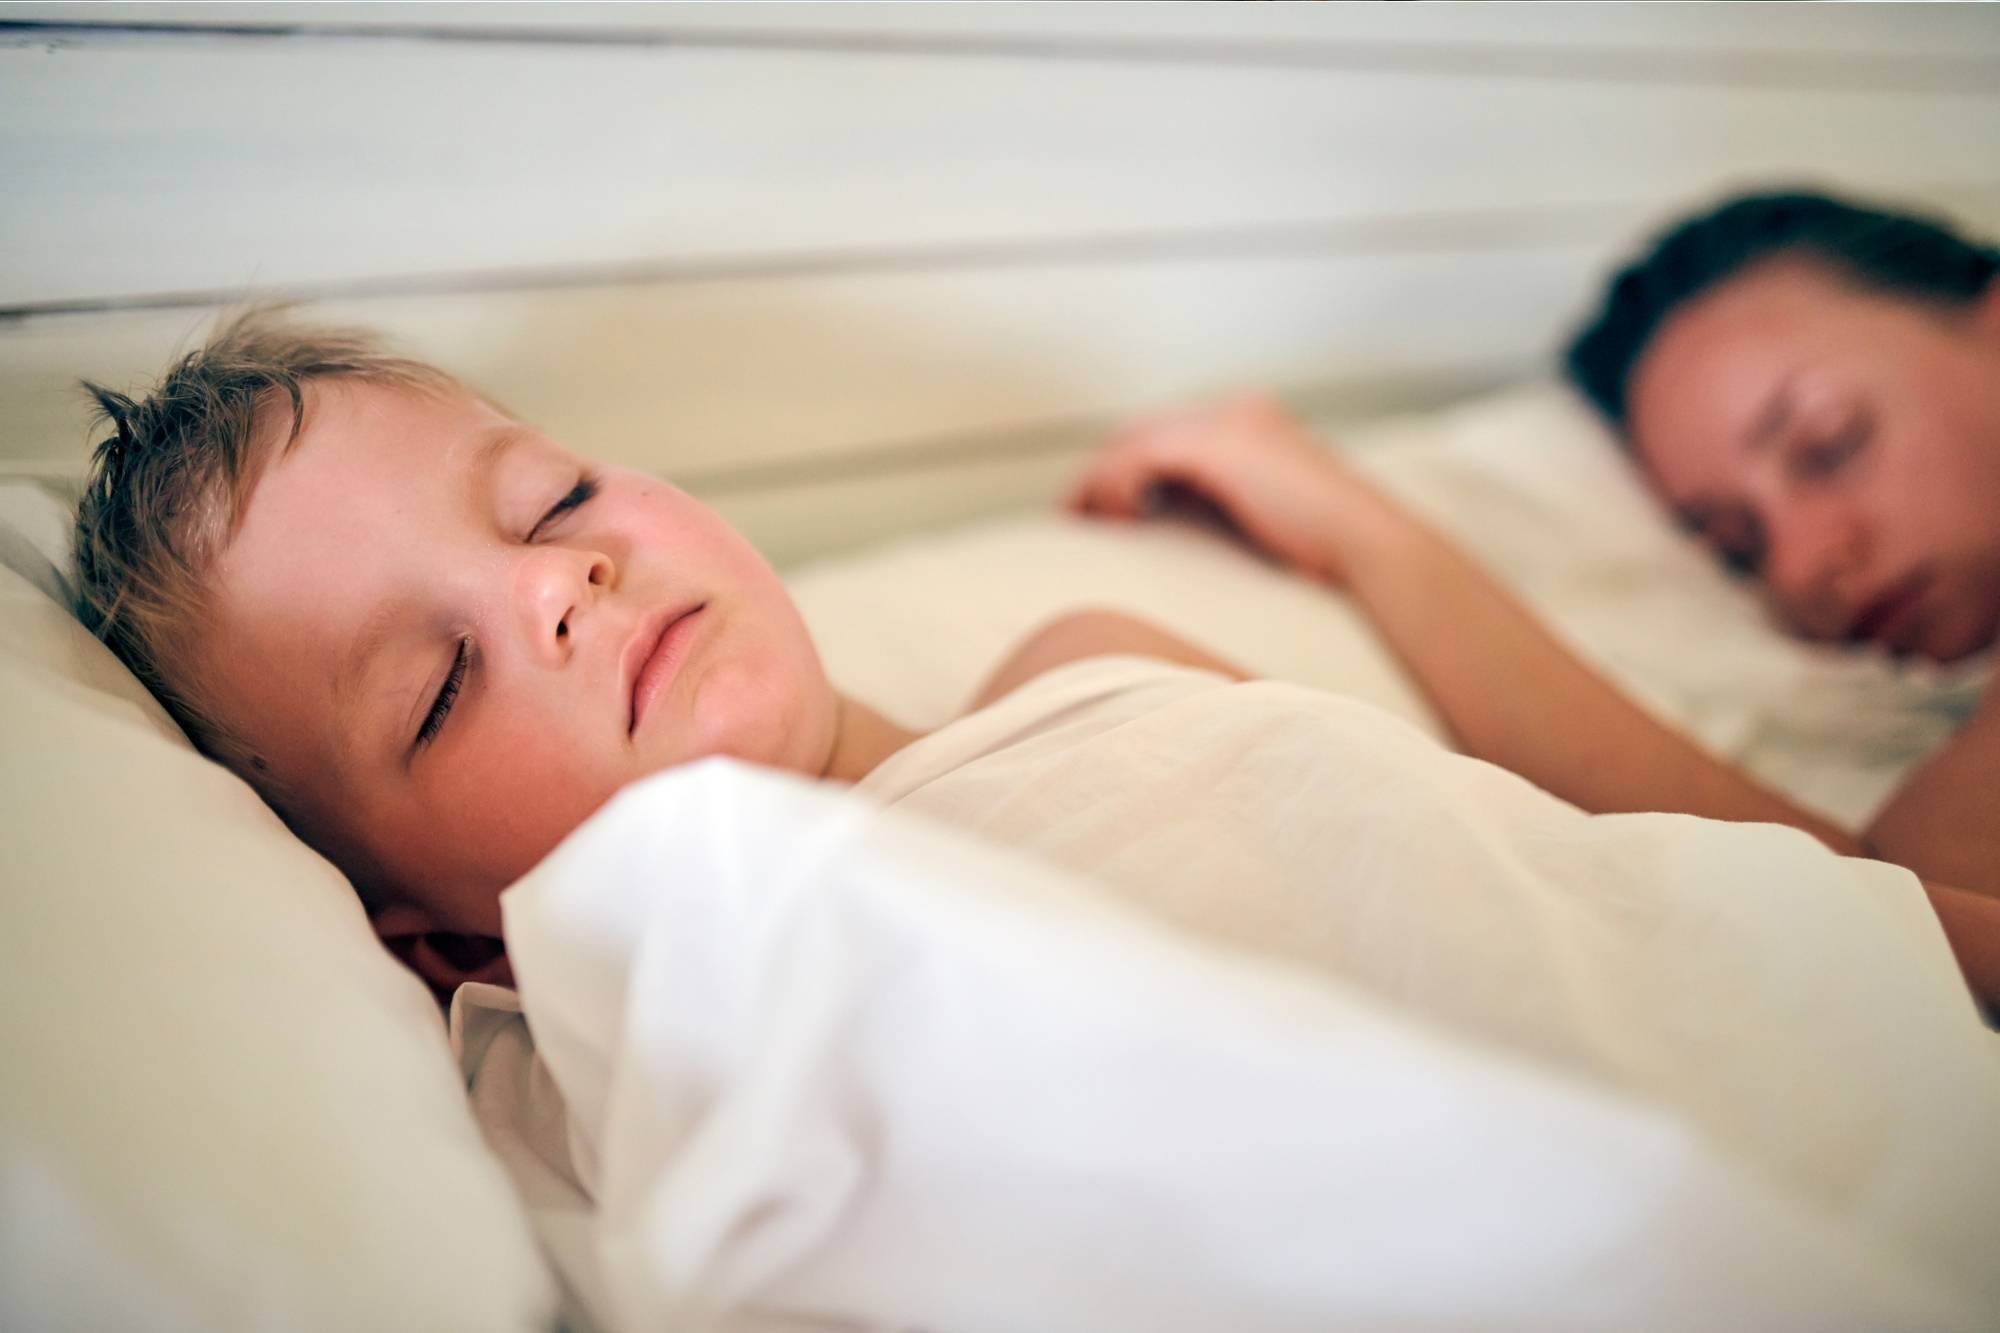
pixel 165 490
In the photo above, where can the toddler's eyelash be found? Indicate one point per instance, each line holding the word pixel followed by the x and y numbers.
pixel 579 494
pixel 448 695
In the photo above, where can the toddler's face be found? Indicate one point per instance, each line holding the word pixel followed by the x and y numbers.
pixel 458 640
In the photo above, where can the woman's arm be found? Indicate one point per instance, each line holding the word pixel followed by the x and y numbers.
pixel 1512 694
pixel 1944 822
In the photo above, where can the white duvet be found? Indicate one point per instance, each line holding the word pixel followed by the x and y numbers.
pixel 830 1065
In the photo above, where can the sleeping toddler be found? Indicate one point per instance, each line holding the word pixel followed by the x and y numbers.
pixel 433 638
pixel 436 640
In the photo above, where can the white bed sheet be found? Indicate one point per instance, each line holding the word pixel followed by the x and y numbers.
pixel 828 1066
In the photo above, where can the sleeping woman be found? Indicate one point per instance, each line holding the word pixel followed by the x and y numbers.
pixel 1811 386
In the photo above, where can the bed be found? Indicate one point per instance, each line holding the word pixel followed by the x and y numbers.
pixel 225 1103
pixel 713 241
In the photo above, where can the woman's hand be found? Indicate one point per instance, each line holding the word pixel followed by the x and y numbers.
pixel 1258 464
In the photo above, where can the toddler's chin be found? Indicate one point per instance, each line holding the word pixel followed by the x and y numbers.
pixel 776 715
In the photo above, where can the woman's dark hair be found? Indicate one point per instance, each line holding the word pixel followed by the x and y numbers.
pixel 1900 253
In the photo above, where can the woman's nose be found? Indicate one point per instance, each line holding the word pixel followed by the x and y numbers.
pixel 557 589
pixel 1815 562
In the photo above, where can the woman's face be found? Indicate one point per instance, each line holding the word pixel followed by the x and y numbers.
pixel 1842 445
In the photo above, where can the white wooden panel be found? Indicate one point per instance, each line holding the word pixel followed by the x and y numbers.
pixel 707 376
pixel 795 523
pixel 1930 29
pixel 704 380
pixel 803 511
pixel 150 166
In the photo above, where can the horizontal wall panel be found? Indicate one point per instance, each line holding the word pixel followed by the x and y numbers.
pixel 719 383
pixel 797 512
pixel 792 524
pixel 1954 30
pixel 150 168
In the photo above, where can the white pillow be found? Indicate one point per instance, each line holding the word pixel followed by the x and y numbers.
pixel 1531 484
pixel 224 1105
pixel 35 528
pixel 915 626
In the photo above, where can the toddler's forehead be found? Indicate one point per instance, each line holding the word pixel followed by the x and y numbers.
pixel 417 419
pixel 319 512
pixel 395 439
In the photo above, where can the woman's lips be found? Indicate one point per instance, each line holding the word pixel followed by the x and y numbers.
pixel 657 671
pixel 1889 616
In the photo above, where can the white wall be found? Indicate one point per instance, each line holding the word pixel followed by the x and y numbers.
pixel 849 268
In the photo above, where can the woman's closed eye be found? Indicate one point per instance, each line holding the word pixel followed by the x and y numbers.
pixel 1735 534
pixel 1740 559
pixel 1827 454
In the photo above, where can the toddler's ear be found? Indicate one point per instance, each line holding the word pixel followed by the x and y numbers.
pixel 444 959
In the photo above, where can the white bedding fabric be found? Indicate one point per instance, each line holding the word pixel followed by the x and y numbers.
pixel 1540 1069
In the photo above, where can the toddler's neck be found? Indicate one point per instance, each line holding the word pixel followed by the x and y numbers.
pixel 862 740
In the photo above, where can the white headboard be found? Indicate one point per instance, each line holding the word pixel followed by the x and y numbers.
pixel 850 269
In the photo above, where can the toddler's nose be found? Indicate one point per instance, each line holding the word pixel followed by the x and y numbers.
pixel 556 588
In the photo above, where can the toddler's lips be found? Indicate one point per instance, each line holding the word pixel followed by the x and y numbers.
pixel 659 647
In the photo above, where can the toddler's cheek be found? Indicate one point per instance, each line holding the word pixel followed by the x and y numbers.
pixel 763 709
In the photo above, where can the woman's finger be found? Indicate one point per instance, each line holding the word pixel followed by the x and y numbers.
pixel 1096 490
pixel 1173 448
pixel 1118 478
